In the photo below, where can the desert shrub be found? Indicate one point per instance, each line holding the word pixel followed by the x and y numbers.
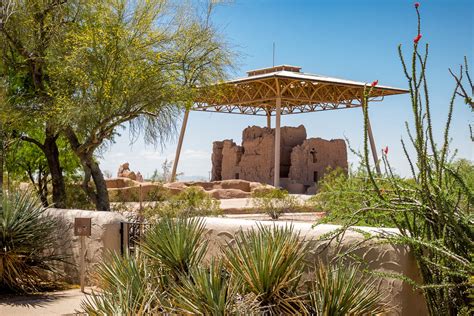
pixel 76 198
pixel 274 202
pixel 337 290
pixel 190 202
pixel 348 197
pixel 157 194
pixel 269 260
pixel 27 241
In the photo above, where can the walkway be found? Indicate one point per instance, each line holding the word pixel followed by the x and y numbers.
pixel 66 302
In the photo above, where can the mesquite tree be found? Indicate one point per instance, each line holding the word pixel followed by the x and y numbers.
pixel 131 63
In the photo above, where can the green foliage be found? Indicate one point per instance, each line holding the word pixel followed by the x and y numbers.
pixel 269 260
pixel 274 202
pixel 350 198
pixel 176 244
pixel 30 37
pixel 339 290
pixel 26 162
pixel 192 201
pixel 27 240
pixel 76 198
pixel 465 170
pixel 86 69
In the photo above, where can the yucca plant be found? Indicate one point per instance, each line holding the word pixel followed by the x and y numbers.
pixel 176 244
pixel 208 291
pixel 341 290
pixel 27 240
pixel 127 288
pixel 270 262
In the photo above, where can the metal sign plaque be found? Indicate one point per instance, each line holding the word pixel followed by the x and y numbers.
pixel 82 226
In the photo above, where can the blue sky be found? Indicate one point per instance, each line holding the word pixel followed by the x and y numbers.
pixel 354 40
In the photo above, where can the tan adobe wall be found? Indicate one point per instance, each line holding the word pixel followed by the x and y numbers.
pixel 231 155
pixel 216 159
pixel 311 160
pixel 302 161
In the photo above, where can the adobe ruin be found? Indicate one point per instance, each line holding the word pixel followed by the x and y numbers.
pixel 303 161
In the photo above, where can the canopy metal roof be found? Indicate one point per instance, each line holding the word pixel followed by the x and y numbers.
pixel 299 92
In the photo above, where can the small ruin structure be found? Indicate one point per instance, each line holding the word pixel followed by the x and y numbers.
pixel 303 161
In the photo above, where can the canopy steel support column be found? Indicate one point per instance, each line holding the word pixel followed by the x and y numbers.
pixel 373 147
pixel 180 144
pixel 276 176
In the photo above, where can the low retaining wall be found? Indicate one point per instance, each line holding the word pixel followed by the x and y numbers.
pixel 384 258
pixel 105 236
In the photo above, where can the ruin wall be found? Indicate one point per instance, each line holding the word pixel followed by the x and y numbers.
pixel 302 161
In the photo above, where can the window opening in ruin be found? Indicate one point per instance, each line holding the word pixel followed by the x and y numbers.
pixel 315 177
pixel 313 153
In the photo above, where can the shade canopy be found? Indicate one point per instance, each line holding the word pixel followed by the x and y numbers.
pixel 279 91
pixel 299 92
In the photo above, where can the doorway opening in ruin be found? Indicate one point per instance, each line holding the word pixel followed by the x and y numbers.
pixel 313 154
pixel 284 171
pixel 236 176
pixel 315 177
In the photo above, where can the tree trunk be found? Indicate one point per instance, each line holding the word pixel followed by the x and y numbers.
pixel 51 151
pixel 99 196
pixel 2 162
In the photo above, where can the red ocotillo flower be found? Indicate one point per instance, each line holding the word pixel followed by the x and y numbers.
pixel 417 4
pixel 385 150
pixel 417 39
pixel 376 82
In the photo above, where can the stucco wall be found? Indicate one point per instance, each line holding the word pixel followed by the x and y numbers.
pixel 380 257
pixel 105 237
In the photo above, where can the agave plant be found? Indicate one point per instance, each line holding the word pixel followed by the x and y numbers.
pixel 270 262
pixel 340 290
pixel 209 291
pixel 27 238
pixel 127 288
pixel 177 244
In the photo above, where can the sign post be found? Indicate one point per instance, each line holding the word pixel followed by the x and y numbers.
pixel 82 228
